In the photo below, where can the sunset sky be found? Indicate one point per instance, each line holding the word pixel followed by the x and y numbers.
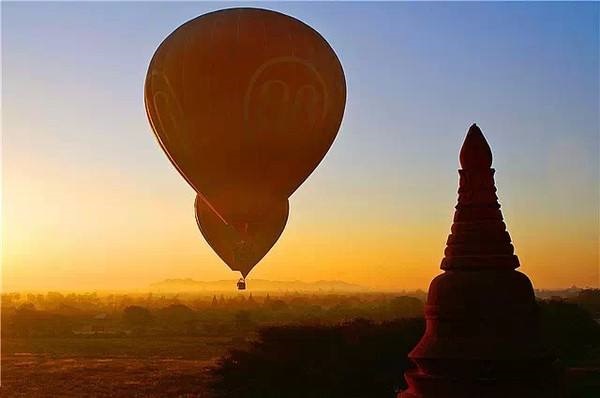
pixel 90 201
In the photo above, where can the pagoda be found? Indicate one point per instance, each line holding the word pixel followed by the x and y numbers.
pixel 482 337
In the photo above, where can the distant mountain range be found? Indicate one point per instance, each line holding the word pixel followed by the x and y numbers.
pixel 190 285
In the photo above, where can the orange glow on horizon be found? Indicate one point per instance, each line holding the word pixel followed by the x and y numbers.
pixel 107 237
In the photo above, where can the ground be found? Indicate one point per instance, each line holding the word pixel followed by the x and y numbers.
pixel 112 367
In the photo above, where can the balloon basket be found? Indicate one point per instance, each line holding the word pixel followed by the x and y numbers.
pixel 241 284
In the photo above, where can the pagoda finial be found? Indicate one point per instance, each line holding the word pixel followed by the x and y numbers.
pixel 479 238
pixel 475 152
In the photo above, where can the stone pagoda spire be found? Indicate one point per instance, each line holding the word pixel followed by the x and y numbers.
pixel 479 237
pixel 482 335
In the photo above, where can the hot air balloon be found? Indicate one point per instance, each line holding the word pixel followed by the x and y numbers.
pixel 245 103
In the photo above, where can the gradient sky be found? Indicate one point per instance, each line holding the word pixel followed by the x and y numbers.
pixel 90 201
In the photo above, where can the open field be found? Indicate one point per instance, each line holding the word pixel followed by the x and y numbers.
pixel 109 367
pixel 177 347
pixel 38 375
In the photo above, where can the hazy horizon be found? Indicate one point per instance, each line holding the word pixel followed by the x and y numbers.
pixel 228 285
pixel 90 201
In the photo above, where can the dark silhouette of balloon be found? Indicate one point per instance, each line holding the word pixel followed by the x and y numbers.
pixel 245 103
pixel 243 244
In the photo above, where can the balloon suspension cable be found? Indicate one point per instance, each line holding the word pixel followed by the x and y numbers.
pixel 210 206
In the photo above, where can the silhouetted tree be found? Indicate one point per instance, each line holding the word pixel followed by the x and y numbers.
pixel 177 318
pixel 277 305
pixel 589 299
pixel 405 306
pixel 139 318
pixel 355 359
pixel 569 330
pixel 243 320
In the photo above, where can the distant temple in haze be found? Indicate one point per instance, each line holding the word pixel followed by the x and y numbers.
pixel 482 337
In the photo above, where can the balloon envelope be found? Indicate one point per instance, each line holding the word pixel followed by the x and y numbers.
pixel 245 102
pixel 243 244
